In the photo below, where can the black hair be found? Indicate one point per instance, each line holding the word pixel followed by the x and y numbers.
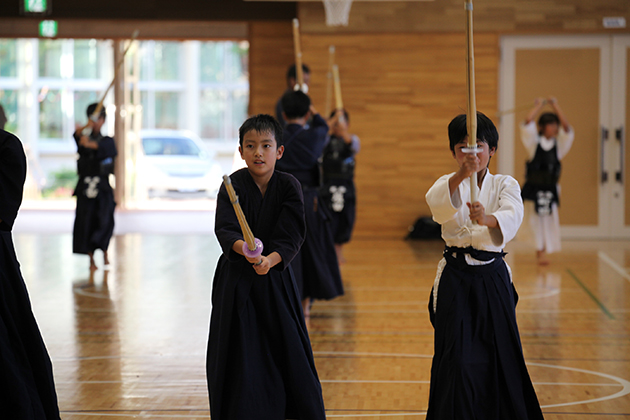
pixel 292 71
pixel 344 112
pixel 295 104
pixel 92 107
pixel 547 118
pixel 262 123
pixel 486 131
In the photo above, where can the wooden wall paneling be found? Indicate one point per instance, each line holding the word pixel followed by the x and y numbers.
pixel 490 15
pixel 270 54
pixel 626 165
pixel 401 91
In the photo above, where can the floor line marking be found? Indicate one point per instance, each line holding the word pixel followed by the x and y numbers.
pixel 622 382
pixel 597 301
pixel 321 311
pixel 419 413
pixel 619 269
pixel 350 353
pixel 545 294
pixel 134 415
pixel 332 381
pixel 409 302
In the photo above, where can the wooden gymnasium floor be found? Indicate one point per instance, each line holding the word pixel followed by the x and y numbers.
pixel 131 344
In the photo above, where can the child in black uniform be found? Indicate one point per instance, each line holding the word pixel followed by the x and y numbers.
pixel 94 221
pixel 291 79
pixel 259 361
pixel 27 387
pixel 316 266
pixel 339 193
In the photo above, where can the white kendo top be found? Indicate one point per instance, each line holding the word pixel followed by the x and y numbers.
pixel 531 138
pixel 501 197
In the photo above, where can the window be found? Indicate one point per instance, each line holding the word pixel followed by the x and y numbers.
pixel 9 101
pixel 224 89
pixel 50 114
pixel 10 83
pixel 47 84
pixel 87 60
pixel 8 58
pixel 50 58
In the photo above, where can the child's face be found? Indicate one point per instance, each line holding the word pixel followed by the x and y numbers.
pixel 550 130
pixel 98 124
pixel 484 155
pixel 260 152
pixel 339 126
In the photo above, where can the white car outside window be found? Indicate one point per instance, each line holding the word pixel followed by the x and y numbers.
pixel 176 164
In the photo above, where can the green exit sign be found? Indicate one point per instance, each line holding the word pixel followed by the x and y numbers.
pixel 36 7
pixel 48 28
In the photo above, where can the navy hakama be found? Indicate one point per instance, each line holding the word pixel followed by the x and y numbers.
pixel 316 267
pixel 259 362
pixel 27 389
pixel 478 369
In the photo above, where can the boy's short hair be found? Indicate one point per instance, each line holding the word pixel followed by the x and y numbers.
pixel 292 71
pixel 486 131
pixel 344 112
pixel 92 107
pixel 262 123
pixel 548 118
pixel 295 104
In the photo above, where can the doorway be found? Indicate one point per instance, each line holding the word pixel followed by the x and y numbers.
pixel 590 78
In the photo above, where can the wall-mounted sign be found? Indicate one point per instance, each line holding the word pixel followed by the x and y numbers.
pixel 48 28
pixel 36 7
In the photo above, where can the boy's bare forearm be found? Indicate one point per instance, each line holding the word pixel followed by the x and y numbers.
pixel 491 222
pixel 238 247
pixel 274 259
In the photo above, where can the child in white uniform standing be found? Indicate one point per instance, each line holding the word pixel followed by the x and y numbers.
pixel 546 143
pixel 478 369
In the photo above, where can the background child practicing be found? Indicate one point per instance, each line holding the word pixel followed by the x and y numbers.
pixel 339 193
pixel 259 361
pixel 546 145
pixel 478 370
pixel 316 266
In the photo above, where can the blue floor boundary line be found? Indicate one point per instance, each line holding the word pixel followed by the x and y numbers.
pixel 588 292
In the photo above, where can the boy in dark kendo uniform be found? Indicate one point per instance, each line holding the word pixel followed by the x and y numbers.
pixel 259 361
pixel 546 145
pixel 27 388
pixel 291 78
pixel 316 266
pixel 94 221
pixel 338 163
